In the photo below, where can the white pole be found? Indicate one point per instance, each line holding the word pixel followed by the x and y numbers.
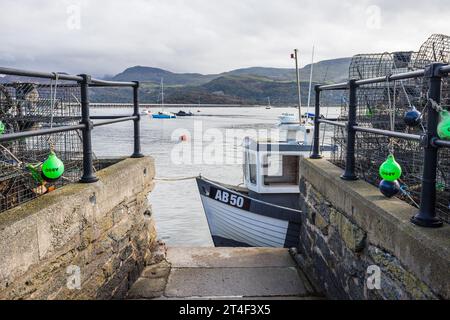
pixel 298 87
pixel 162 94
pixel 310 81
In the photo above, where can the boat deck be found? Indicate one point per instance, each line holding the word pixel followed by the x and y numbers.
pixel 219 273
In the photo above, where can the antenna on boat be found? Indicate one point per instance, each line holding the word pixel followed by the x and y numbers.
pixel 310 83
pixel 295 56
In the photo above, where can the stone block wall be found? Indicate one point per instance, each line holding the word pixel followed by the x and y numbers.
pixel 83 241
pixel 349 231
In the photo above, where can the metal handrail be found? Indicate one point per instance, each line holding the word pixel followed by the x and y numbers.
pixel 336 86
pixel 38 74
pixel 434 73
pixel 86 125
pixel 394 77
pixel 40 132
pixel 63 76
pixel 445 70
pixel 333 123
pixel 116 120
pixel 390 134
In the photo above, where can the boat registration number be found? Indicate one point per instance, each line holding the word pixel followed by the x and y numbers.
pixel 230 199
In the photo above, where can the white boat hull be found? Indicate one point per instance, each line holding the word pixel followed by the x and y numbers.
pixel 231 226
pixel 288 119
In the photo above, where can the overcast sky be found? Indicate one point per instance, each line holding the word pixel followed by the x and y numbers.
pixel 207 36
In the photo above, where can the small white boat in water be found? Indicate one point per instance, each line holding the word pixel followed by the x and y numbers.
pixel 145 112
pixel 288 118
pixel 162 114
pixel 266 211
pixel 237 220
pixel 268 107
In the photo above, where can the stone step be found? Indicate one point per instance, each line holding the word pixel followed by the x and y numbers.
pixel 229 258
pixel 223 273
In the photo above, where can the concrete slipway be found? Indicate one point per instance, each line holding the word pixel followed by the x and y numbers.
pixel 223 273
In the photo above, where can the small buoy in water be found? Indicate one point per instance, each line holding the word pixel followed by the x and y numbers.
pixel 444 126
pixel 390 170
pixel 389 188
pixel 2 127
pixel 413 117
pixel 52 168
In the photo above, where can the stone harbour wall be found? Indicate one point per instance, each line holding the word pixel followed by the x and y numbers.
pixel 351 233
pixel 83 241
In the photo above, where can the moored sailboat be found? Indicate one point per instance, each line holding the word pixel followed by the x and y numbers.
pixel 161 114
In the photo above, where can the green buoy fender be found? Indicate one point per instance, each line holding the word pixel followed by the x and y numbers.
pixel 52 168
pixel 390 170
pixel 2 127
pixel 444 126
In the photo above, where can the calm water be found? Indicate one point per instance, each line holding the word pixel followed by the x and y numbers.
pixel 176 205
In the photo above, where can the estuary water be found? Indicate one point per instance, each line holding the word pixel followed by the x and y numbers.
pixel 212 147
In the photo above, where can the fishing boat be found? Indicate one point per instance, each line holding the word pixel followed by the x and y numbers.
pixel 264 213
pixel 266 210
pixel 162 114
pixel 182 113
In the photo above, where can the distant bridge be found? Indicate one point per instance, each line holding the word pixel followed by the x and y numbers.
pixel 174 105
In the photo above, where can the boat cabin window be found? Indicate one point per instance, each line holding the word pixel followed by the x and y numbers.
pixel 251 161
pixel 281 170
pixel 245 166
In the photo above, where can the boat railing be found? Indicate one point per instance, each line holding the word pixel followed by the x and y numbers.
pixel 433 74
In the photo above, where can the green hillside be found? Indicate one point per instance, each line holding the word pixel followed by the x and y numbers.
pixel 149 74
pixel 242 86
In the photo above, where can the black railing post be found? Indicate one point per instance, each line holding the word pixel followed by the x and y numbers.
pixel 137 130
pixel 427 212
pixel 88 170
pixel 316 146
pixel 349 173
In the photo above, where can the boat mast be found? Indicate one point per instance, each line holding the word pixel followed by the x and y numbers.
pixel 310 82
pixel 298 86
pixel 162 94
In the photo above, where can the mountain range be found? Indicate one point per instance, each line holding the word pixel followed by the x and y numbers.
pixel 242 86
pixel 247 86
pixel 329 70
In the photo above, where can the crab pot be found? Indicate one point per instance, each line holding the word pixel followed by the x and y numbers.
pixel 374 110
pixel 28 104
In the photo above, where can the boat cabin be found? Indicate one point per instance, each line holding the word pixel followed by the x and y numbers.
pixel 272 168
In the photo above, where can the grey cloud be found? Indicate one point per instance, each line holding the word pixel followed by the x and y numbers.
pixel 205 35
